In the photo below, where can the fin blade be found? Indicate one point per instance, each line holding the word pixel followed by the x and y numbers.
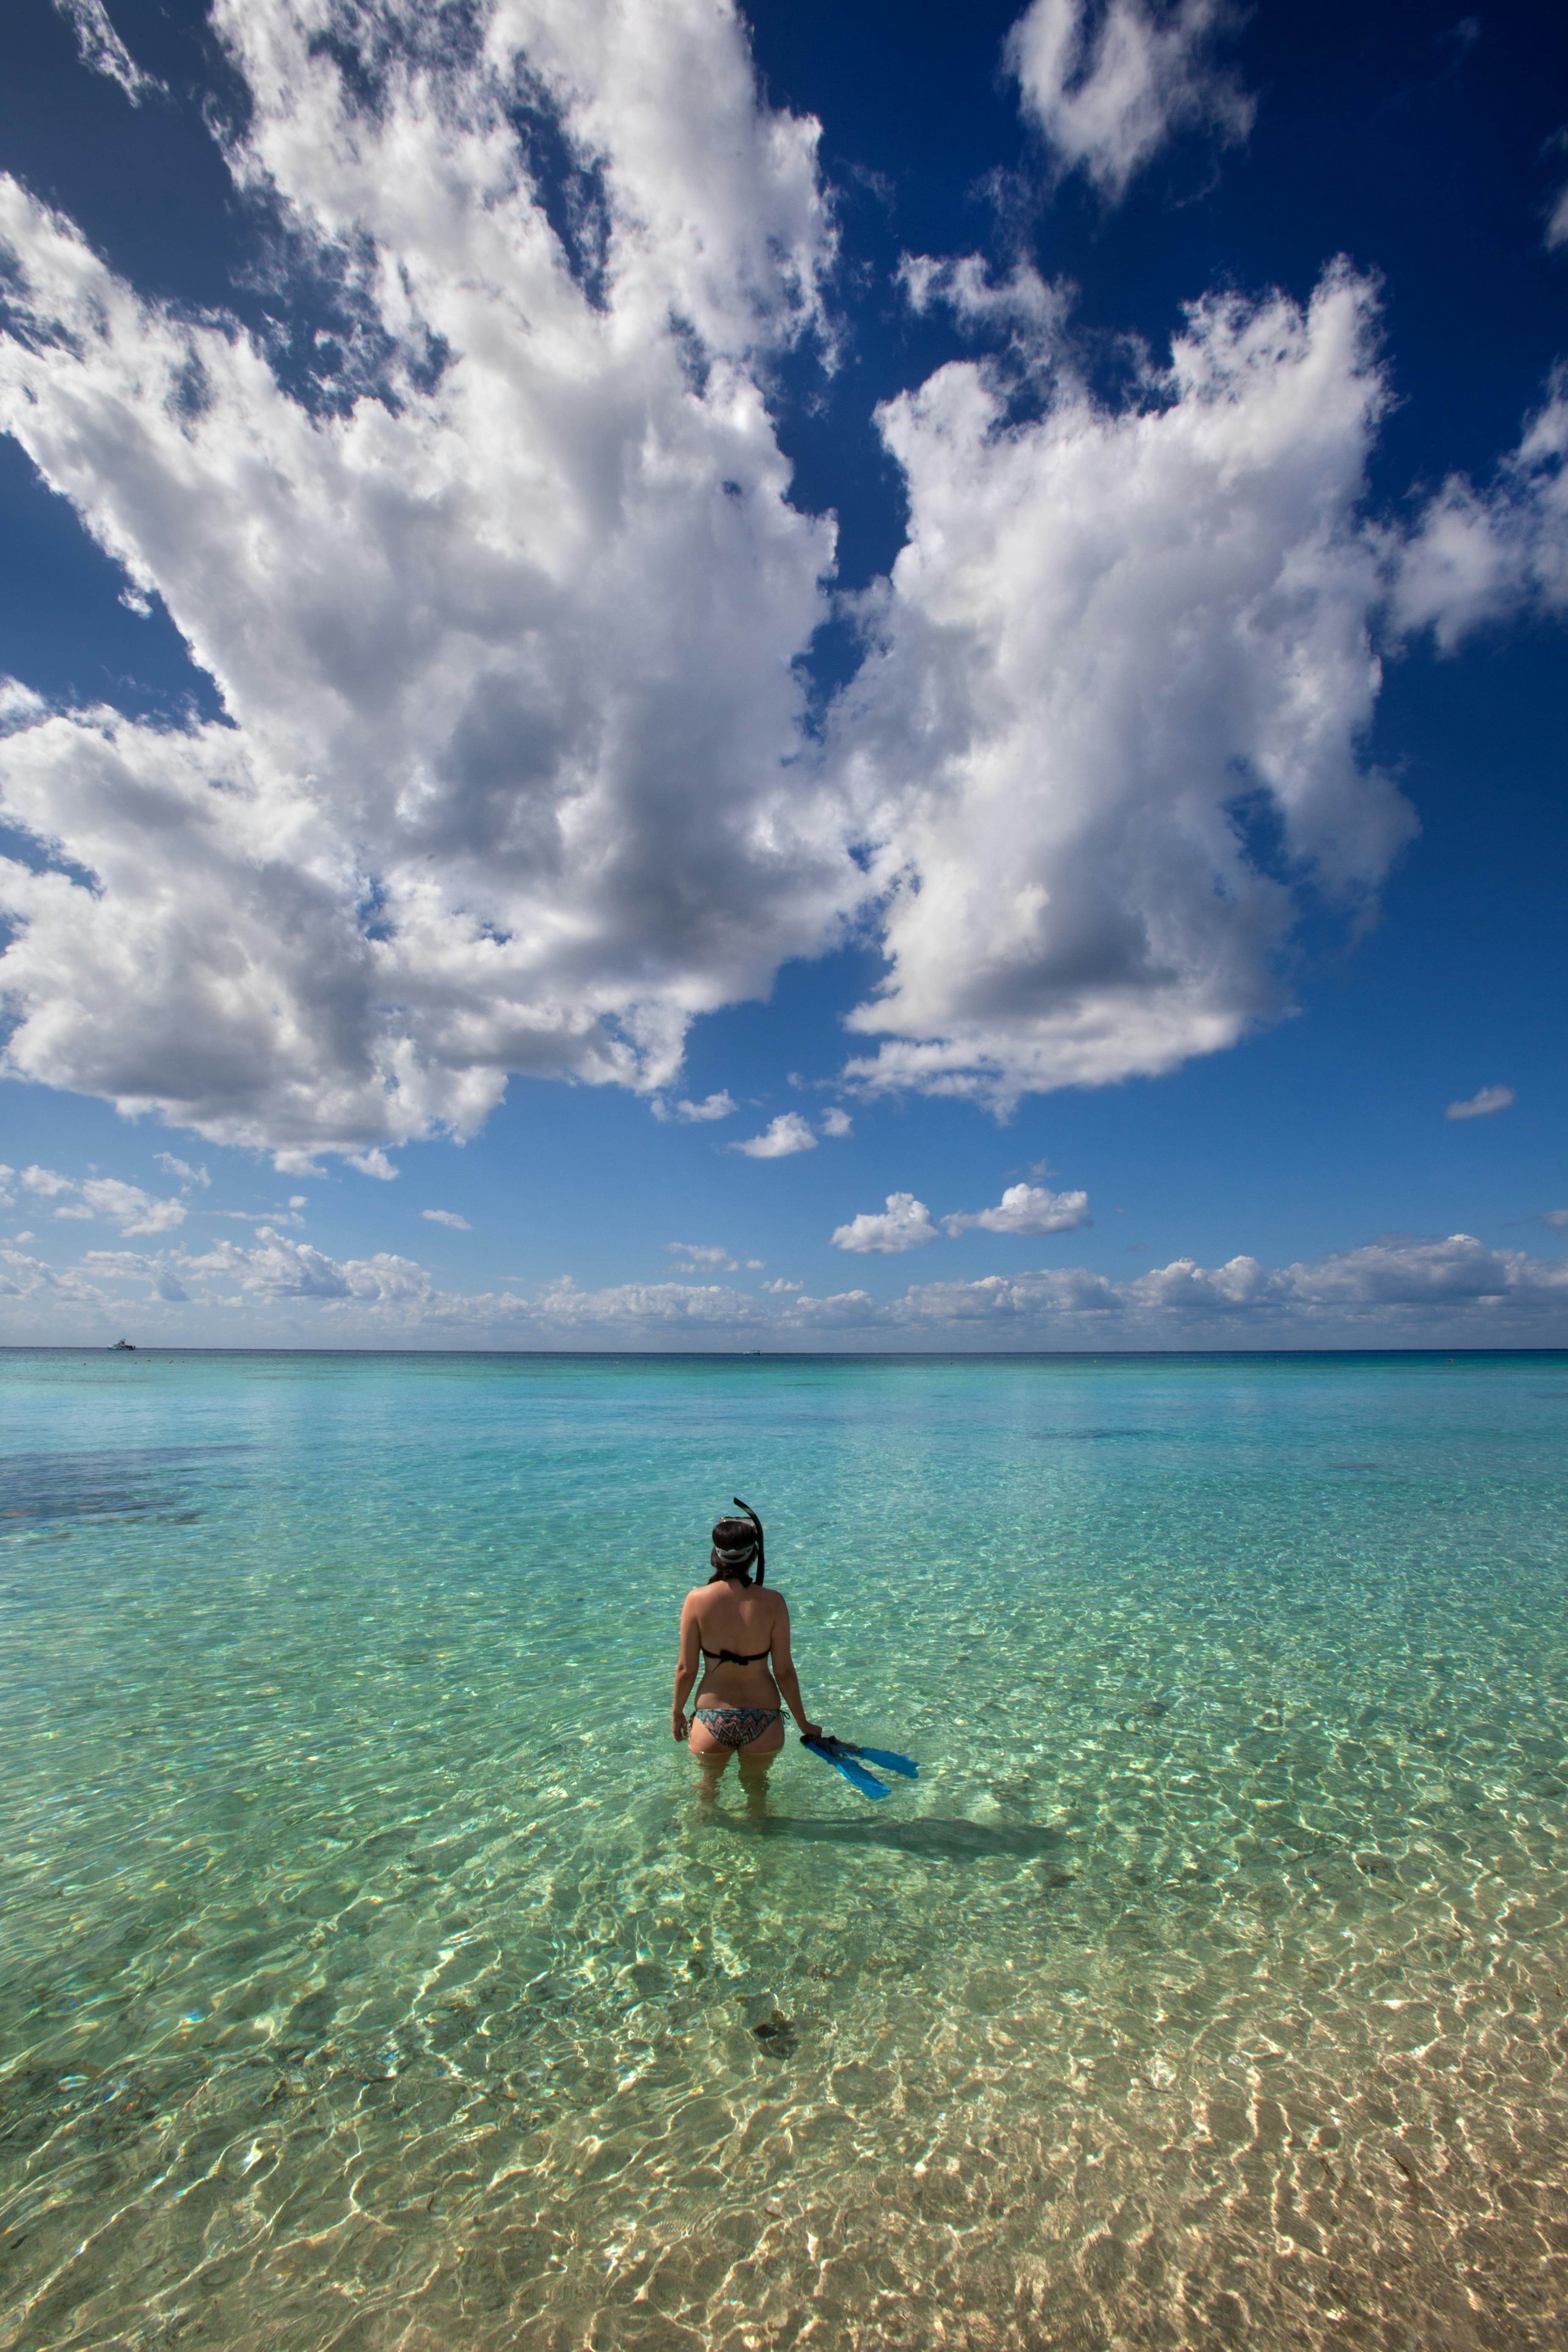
pixel 888 1762
pixel 852 1772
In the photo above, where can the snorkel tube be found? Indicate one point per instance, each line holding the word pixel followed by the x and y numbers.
pixel 761 1552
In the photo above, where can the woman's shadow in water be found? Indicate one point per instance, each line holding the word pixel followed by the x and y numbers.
pixel 940 1841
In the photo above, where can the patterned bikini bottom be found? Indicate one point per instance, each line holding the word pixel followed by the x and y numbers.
pixel 737 1727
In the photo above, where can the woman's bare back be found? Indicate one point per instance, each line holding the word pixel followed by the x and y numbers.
pixel 743 1618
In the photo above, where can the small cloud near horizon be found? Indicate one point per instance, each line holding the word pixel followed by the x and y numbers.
pixel 1482 1105
pixel 719 1106
pixel 444 1217
pixel 1026 1209
pixel 904 1225
pixel 786 1134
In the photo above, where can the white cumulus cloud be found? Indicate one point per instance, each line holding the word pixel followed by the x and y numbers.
pixel 1109 81
pixel 786 1134
pixel 504 624
pixel 662 1305
pixel 1479 556
pixel 125 1205
pixel 31 1281
pixel 1399 1285
pixel 1412 1273
pixel 717 1106
pixel 1026 1209
pixel 904 1225
pixel 1110 727
pixel 447 1217
pixel 1038 1302
pixel 131 1208
pixel 705 1255
pixel 1481 1105
pixel 280 1267
pixel 836 1123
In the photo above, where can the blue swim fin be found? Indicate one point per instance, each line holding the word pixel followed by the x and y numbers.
pixel 883 1758
pixel 852 1772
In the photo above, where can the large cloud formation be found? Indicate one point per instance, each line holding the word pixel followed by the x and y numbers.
pixel 505 603
pixel 1121 675
pixel 504 639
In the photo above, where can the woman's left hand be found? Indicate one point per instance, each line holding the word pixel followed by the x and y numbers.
pixel 679 1726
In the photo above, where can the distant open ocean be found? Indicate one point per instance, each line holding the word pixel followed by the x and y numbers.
pixel 369 1976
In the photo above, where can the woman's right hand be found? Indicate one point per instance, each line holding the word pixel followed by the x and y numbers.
pixel 811 1731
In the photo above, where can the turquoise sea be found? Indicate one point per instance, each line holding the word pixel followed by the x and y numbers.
pixel 371 1976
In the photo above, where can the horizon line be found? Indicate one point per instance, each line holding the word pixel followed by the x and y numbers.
pixel 780 1355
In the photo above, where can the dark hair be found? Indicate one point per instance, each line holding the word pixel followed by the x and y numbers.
pixel 736 1544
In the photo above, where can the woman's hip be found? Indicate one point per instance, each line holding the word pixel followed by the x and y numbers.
pixel 759 1731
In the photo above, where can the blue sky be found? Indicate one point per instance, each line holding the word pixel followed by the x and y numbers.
pixel 976 597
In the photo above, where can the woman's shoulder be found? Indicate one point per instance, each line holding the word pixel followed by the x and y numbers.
pixel 772 1600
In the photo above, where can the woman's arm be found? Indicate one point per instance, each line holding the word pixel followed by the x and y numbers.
pixel 687 1665
pixel 786 1678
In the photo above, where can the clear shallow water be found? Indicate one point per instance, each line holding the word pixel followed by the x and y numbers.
pixel 370 1975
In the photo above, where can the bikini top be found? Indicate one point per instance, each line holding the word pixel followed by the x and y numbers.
pixel 733 1657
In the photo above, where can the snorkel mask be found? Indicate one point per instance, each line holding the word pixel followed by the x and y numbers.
pixel 733 1547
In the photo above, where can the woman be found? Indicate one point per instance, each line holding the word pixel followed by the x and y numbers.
pixel 730 1629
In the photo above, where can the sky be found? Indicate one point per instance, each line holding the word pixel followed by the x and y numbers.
pixel 832 677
